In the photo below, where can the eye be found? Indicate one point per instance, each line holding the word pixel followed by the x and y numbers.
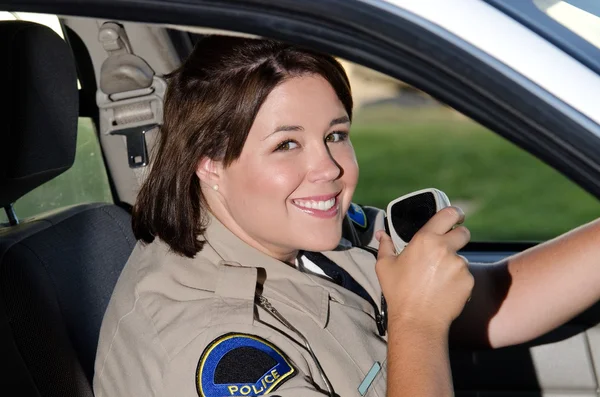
pixel 336 136
pixel 286 145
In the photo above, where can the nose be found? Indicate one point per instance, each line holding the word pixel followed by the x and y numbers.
pixel 323 167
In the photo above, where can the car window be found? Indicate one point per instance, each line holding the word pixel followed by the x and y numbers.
pixel 579 16
pixel 406 141
pixel 86 181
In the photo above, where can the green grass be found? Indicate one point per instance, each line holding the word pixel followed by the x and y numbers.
pixel 507 193
pixel 84 182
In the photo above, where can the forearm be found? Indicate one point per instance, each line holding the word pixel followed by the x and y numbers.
pixel 418 363
pixel 549 285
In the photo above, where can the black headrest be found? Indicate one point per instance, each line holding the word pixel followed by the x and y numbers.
pixel 39 106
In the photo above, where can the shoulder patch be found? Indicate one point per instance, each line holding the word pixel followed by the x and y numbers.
pixel 357 215
pixel 241 365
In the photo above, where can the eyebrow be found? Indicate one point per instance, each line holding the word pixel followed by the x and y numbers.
pixel 288 128
pixel 339 120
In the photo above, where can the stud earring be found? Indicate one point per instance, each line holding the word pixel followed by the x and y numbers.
pixel 215 187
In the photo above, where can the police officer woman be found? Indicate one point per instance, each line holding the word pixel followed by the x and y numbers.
pixel 242 283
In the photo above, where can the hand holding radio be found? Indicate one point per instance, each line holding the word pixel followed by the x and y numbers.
pixel 427 283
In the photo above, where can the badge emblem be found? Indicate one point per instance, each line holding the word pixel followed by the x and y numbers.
pixel 357 215
pixel 241 365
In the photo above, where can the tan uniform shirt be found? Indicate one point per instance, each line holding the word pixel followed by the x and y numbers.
pixel 166 310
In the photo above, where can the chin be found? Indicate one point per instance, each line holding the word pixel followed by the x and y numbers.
pixel 321 243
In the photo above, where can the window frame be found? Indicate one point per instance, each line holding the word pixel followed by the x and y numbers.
pixel 528 14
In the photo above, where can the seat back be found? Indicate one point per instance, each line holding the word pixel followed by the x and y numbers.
pixel 57 270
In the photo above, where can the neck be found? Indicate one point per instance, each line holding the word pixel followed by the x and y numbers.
pixel 286 256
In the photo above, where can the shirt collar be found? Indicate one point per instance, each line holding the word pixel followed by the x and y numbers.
pixel 282 282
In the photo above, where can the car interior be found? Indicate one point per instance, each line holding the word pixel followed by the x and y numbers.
pixel 58 267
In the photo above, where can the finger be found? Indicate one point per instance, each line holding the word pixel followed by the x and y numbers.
pixel 386 245
pixel 457 238
pixel 444 220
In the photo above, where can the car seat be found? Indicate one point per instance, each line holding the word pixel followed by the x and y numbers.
pixel 57 270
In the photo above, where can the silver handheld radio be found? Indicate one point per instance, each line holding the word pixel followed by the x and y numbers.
pixel 407 214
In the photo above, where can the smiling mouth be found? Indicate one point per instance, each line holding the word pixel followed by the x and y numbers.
pixel 321 206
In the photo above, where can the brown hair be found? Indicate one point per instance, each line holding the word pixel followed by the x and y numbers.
pixel 211 102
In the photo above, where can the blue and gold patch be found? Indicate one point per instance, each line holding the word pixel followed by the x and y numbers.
pixel 357 215
pixel 241 365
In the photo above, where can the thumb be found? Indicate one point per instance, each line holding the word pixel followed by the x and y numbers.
pixel 386 245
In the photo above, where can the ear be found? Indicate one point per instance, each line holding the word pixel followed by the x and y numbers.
pixel 209 171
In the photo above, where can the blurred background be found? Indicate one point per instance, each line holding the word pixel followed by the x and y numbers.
pixel 404 141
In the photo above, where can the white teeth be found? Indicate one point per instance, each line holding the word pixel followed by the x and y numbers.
pixel 316 205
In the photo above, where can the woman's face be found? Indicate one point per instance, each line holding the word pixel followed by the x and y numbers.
pixel 293 183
